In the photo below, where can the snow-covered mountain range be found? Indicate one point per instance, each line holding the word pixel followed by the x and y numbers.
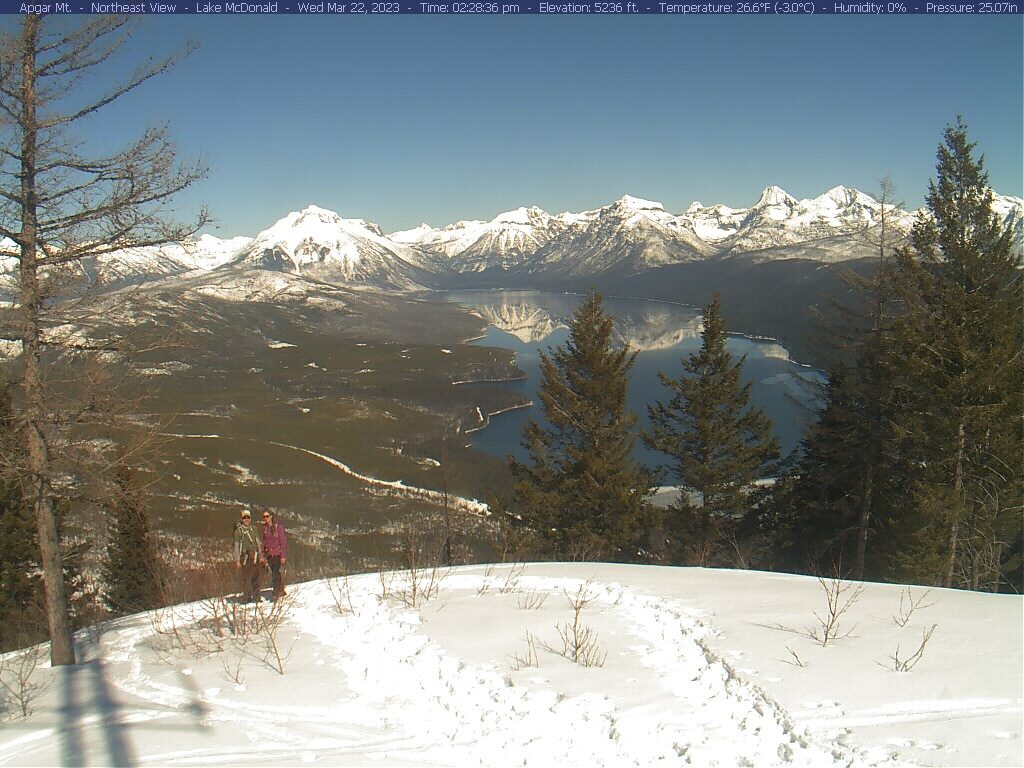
pixel 626 238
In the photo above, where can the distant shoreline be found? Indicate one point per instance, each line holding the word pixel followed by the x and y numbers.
pixel 487 416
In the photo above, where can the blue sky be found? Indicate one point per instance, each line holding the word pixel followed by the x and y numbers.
pixel 400 120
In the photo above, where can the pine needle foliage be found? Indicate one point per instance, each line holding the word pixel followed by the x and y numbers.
pixel 580 489
pixel 960 382
pixel 845 481
pixel 131 574
pixel 717 442
pixel 22 610
pixel 19 584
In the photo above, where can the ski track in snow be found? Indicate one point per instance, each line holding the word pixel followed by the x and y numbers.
pixel 462 713
pixel 414 702
pixel 458 502
pixel 386 684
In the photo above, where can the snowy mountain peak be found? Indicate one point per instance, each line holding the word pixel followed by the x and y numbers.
pixel 694 207
pixel 323 214
pixel 841 196
pixel 630 203
pixel 773 195
pixel 520 215
pixel 321 243
pixel 414 235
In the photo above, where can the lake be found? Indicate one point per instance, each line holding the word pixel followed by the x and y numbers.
pixel 529 321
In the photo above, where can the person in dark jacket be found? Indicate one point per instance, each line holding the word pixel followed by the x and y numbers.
pixel 248 554
pixel 275 550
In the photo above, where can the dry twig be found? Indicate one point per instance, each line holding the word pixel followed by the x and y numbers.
pixel 905 665
pixel 908 605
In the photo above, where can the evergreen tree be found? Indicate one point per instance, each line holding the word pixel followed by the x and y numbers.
pixel 719 444
pixel 581 491
pixel 844 480
pixel 816 501
pixel 960 383
pixel 131 575
pixel 843 485
pixel 22 611
pixel 19 586
pixel 869 437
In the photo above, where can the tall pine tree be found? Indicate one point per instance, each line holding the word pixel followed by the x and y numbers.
pixel 22 611
pixel 960 382
pixel 843 483
pixel 718 443
pixel 131 574
pixel 581 490
pixel 21 622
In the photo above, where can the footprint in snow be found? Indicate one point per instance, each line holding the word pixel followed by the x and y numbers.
pixel 826 704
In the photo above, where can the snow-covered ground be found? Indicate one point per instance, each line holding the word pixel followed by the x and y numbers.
pixel 701 667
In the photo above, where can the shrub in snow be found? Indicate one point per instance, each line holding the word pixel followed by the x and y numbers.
pixel 579 642
pixel 838 603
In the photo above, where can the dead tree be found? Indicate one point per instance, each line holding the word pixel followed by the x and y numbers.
pixel 62 207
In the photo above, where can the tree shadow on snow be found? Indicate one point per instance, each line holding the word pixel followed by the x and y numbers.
pixel 87 698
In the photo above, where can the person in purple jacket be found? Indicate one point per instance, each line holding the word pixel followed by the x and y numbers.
pixel 275 550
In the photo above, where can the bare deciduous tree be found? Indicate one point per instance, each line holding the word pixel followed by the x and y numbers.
pixel 18 679
pixel 64 206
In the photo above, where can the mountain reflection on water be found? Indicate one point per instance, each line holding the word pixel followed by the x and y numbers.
pixel 528 321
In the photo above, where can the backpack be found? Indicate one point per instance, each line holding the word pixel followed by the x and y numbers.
pixel 249 535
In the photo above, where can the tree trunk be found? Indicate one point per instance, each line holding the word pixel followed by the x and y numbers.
pixel 865 519
pixel 62 648
pixel 998 562
pixel 876 394
pixel 958 493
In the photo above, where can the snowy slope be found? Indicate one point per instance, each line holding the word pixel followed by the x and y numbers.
pixel 700 667
pixel 132 265
pixel 630 235
pixel 135 265
pixel 320 243
pixel 779 220
pixel 1011 209
pixel 473 246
